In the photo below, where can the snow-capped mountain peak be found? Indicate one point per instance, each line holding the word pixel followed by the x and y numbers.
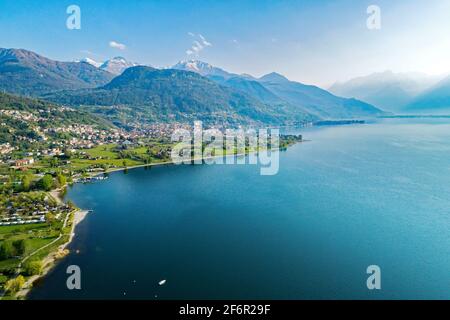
pixel 117 65
pixel 91 62
pixel 203 68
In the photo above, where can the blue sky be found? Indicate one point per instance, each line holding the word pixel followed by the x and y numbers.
pixel 316 42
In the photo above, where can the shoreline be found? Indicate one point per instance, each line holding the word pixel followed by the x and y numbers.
pixel 49 262
pixel 79 215
pixel 95 174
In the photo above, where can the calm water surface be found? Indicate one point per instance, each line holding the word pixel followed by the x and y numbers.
pixel 352 197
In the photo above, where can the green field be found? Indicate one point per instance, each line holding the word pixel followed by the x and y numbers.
pixel 20 228
pixel 83 164
pixel 104 151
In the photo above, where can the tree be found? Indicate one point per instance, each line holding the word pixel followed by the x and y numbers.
pixel 69 178
pixel 14 285
pixel 3 279
pixel 54 162
pixel 33 268
pixel 19 246
pixel 46 182
pixel 70 204
pixel 26 182
pixel 61 179
pixel 67 153
pixel 7 250
pixel 49 217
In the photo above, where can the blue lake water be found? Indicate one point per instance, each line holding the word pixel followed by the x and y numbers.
pixel 353 196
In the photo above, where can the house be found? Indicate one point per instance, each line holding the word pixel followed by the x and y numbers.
pixel 23 162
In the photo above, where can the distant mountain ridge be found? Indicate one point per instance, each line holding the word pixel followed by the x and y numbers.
pixel 316 101
pixel 435 100
pixel 26 73
pixel 291 97
pixel 388 90
pixel 273 77
pixel 203 68
pixel 117 65
pixel 91 62
pixel 254 88
pixel 176 95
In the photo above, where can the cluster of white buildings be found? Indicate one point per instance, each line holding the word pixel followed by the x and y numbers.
pixel 6 148
pixel 21 115
pixel 17 220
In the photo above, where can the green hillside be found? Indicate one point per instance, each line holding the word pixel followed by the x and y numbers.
pixel 23 121
pixel 173 95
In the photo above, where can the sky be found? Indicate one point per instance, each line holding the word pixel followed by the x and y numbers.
pixel 316 42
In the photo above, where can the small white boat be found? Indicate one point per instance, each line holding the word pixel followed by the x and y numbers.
pixel 162 282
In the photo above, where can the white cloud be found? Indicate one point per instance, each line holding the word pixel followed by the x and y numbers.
pixel 204 41
pixel 117 45
pixel 197 45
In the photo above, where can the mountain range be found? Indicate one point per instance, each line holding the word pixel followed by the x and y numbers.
pixel 316 101
pixel 290 96
pixel 203 68
pixel 169 94
pixel 26 73
pixel 116 65
pixel 91 62
pixel 435 100
pixel 388 90
pixel 187 91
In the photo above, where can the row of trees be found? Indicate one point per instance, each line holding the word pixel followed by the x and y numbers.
pixel 28 183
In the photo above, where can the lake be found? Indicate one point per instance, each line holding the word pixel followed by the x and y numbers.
pixel 353 196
